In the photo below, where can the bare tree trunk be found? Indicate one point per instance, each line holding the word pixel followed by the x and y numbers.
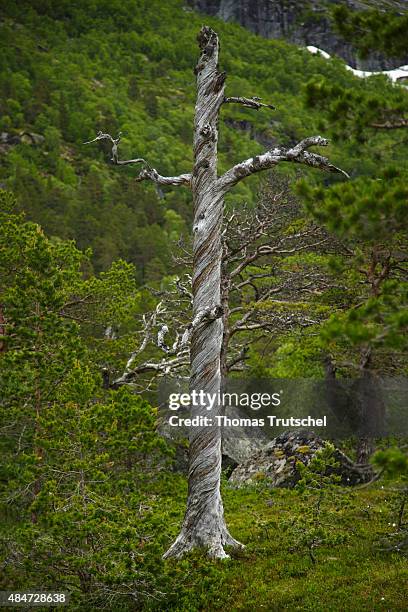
pixel 204 523
pixel 225 290
pixel 365 448
pixel 371 409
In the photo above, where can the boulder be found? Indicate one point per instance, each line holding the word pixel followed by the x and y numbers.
pixel 32 138
pixel 277 462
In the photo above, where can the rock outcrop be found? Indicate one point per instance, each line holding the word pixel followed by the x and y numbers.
pixel 8 140
pixel 277 461
pixel 304 22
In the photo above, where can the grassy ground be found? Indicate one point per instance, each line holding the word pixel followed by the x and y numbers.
pixel 349 571
pixel 273 573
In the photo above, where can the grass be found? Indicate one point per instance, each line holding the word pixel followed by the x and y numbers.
pixel 273 574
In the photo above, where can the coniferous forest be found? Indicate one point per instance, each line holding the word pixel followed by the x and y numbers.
pixel 98 290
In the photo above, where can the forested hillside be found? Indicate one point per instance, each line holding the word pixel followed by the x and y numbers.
pixel 96 308
pixel 67 72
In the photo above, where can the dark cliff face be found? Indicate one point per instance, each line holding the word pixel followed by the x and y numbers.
pixel 305 22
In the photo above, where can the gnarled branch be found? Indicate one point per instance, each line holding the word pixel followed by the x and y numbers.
pixel 115 142
pixel 254 102
pixel 148 173
pixel 152 175
pixel 297 154
pixel 207 314
pixel 165 367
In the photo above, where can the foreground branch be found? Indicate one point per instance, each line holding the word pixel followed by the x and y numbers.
pixel 297 154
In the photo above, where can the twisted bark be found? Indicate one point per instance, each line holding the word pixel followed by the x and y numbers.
pixel 204 523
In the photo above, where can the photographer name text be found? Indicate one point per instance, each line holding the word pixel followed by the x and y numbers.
pixel 225 421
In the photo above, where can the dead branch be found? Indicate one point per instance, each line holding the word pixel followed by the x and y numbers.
pixel 147 173
pixel 297 154
pixel 253 102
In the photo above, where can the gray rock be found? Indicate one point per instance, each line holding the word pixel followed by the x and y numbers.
pixel 277 461
pixel 30 138
pixel 304 22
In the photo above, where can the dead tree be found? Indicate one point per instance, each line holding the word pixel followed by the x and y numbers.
pixel 204 524
pixel 261 296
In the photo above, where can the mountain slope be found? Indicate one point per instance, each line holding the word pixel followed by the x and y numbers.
pixel 67 72
pixel 307 22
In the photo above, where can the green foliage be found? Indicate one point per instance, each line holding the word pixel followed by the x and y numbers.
pixel 39 344
pixel 91 509
pixel 71 452
pixel 370 209
pixel 379 321
pixel 297 356
pixel 373 30
pixel 348 112
pixel 393 463
pixel 319 523
pixel 369 216
pixel 87 501
pixel 67 71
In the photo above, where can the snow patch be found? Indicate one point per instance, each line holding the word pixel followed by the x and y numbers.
pixel 396 75
pixel 316 50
